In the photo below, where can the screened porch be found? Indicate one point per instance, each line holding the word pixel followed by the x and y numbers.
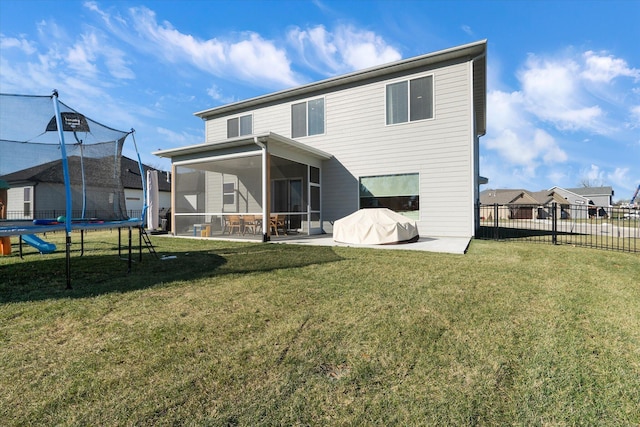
pixel 255 188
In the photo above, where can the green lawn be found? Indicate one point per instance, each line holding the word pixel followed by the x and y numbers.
pixel 264 334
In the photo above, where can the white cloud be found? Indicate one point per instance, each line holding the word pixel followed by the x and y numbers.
pixel 552 92
pixel 634 112
pixel 176 139
pixel 343 50
pixel 604 68
pixel 513 135
pixel 216 94
pixel 620 178
pixel 596 176
pixel 362 49
pixel 251 58
pixel 80 56
pixel 467 29
pixel 593 175
pixel 26 46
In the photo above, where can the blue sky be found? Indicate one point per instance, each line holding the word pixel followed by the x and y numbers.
pixel 563 89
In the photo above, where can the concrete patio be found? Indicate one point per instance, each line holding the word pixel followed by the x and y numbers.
pixel 451 245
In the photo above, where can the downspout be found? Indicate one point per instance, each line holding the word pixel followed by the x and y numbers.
pixel 475 215
pixel 265 196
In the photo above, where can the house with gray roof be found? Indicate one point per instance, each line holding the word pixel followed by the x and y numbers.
pixel 39 191
pixel 403 135
pixel 599 196
pixel 525 204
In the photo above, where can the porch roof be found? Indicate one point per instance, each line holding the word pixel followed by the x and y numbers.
pixel 270 139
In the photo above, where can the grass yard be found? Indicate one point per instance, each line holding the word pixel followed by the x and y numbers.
pixel 266 334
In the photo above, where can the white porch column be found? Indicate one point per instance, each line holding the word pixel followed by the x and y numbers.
pixel 266 167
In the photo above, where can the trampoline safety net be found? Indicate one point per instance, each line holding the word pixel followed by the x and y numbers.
pixel 31 161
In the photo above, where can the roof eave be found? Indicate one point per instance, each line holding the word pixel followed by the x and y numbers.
pixel 240 141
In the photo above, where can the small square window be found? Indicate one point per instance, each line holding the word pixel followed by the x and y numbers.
pixel 228 193
pixel 240 126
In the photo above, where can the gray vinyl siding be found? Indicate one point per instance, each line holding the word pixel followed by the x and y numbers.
pixel 441 149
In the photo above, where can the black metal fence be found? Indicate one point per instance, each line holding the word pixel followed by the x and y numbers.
pixel 611 228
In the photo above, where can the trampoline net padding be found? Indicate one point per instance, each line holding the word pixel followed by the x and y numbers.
pixel 30 156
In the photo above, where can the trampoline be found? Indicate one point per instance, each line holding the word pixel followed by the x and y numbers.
pixel 74 164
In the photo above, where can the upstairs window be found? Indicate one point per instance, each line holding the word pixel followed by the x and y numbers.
pixel 239 126
pixel 307 118
pixel 410 100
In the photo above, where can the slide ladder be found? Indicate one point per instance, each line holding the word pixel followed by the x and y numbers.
pixel 147 242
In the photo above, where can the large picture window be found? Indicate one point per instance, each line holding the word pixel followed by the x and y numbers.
pixel 239 126
pixel 410 100
pixel 400 193
pixel 307 118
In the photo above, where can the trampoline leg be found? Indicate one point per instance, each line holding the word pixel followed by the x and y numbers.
pixel 140 243
pixel 68 261
pixel 129 269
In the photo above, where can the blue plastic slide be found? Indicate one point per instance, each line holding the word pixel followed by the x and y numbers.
pixel 42 246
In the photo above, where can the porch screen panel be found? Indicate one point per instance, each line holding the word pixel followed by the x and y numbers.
pixel 190 190
pixel 315 198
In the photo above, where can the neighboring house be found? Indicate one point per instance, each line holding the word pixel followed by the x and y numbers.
pixel 133 186
pixel 38 192
pixel 525 204
pixel 512 204
pixel 600 196
pixel 578 203
pixel 403 135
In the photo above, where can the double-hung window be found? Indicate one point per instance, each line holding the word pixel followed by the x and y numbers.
pixel 228 193
pixel 307 118
pixel 410 100
pixel 239 126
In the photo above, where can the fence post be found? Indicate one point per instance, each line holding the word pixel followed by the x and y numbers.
pixel 554 223
pixel 495 221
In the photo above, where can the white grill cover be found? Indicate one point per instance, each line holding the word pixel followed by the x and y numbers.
pixel 380 226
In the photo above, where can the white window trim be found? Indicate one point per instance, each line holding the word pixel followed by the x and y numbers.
pixel 405 79
pixel 306 112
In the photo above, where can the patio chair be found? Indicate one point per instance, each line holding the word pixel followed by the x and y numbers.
pixel 234 222
pixel 251 224
pixel 277 223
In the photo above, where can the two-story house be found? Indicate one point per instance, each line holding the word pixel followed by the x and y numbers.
pixel 403 135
